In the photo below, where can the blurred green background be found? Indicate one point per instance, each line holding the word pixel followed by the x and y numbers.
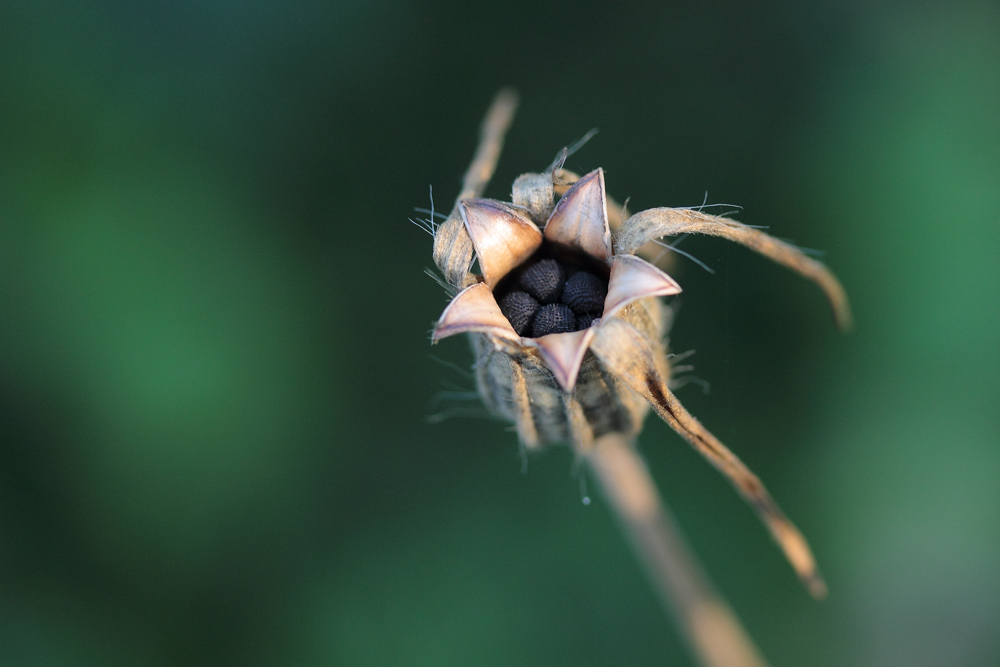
pixel 215 373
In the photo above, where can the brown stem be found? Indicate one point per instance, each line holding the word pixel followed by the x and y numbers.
pixel 452 245
pixel 491 134
pixel 709 626
pixel 624 352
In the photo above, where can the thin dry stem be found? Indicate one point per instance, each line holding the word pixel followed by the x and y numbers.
pixel 653 223
pixel 452 245
pixel 491 136
pixel 711 629
pixel 624 352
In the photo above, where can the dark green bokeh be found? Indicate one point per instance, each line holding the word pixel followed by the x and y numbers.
pixel 215 371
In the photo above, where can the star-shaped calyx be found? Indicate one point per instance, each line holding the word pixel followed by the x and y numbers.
pixel 548 291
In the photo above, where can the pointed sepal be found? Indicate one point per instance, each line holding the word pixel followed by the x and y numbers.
pixel 502 235
pixel 633 279
pixel 580 219
pixel 563 353
pixel 474 309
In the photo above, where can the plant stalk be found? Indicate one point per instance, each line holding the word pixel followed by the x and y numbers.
pixel 709 626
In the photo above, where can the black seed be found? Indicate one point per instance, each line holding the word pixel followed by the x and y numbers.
pixel 553 318
pixel 584 293
pixel 519 308
pixel 544 280
pixel 584 321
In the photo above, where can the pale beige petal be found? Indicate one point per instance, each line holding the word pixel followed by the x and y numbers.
pixel 632 279
pixel 563 353
pixel 473 309
pixel 503 236
pixel 580 219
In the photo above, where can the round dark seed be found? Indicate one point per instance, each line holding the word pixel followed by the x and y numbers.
pixel 519 309
pixel 553 318
pixel 544 280
pixel 584 293
pixel 584 321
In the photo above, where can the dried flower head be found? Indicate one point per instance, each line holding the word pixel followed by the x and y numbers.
pixel 567 324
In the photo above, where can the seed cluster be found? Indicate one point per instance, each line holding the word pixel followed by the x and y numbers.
pixel 545 301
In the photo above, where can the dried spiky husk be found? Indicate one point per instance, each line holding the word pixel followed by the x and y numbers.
pixel 516 384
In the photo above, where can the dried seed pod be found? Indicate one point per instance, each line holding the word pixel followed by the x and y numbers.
pixel 555 364
pixel 590 378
